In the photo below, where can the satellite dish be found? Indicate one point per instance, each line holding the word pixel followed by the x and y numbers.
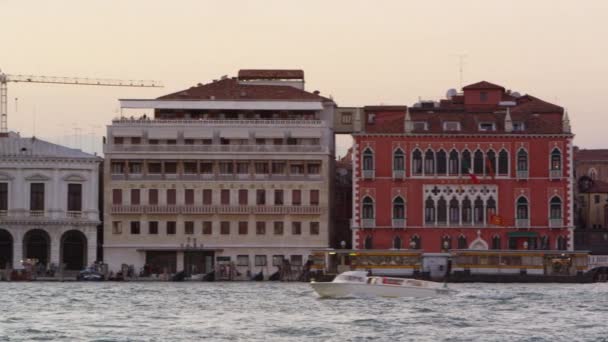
pixel 515 94
pixel 450 93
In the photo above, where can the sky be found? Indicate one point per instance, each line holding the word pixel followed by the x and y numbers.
pixel 359 52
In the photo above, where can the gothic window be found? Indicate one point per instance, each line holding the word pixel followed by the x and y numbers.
pixel 503 163
pixel 592 173
pixel 496 242
pixel 429 162
pixel 522 160
pixel 369 242
pixel 397 242
pixel 368 159
pixel 368 208
pixel 398 208
pixel 561 243
pixel 454 211
pixel 429 211
pixel 556 208
pixel 415 242
pixel 417 162
pixel 556 159
pixel 466 211
pixel 522 208
pixel 490 207
pixel 442 211
pixel 490 163
pixel 478 163
pixel 462 242
pixel 453 163
pixel 478 211
pixel 398 160
pixel 544 242
pixel 466 164
pixel 446 243
pixel 441 162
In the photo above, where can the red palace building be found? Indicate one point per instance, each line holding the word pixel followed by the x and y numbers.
pixel 483 169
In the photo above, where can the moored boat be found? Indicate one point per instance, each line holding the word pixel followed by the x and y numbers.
pixel 359 284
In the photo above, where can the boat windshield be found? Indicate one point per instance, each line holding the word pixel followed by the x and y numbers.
pixel 350 278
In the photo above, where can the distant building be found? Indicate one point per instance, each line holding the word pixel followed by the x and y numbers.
pixel 483 169
pixel 343 202
pixel 237 171
pixel 48 204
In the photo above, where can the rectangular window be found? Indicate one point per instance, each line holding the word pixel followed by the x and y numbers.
pixel 314 228
pixel 278 228
pixel 207 141
pixel 135 228
pixel 296 197
pixel 260 228
pixel 242 168
pixel 487 126
pixel 260 197
pixel 171 142
pixel 116 227
pixel 225 228
pixel 278 168
pixel 519 126
pixel 118 140
pixel 153 227
pixel 297 169
pixel 278 197
pixel 260 260
pixel 190 168
pixel 243 228
pixel 171 227
pixel 170 168
pixel 207 228
pixel 189 196
pixel 155 168
pixel 314 169
pixel 596 199
pixel 74 197
pixel 116 196
pixel 420 126
pixel 242 260
pixel 226 168
pixel 206 168
pixel 135 140
pixel 135 200
pixel 171 196
pixel 277 260
pixel 153 196
pixel 295 260
pixel 243 194
pixel 207 196
pixel 277 141
pixel 261 168
pixel 314 197
pixel 189 227
pixel 135 168
pixel 451 126
pixel 225 197
pixel 37 196
pixel 296 228
pixel 153 141
pixel 347 118
pixel 260 141
pixel 188 141
pixel 3 196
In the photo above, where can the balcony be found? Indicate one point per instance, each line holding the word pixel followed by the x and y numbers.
pixel 522 223
pixel 555 174
pixel 73 214
pixel 218 148
pixel 219 177
pixel 127 122
pixel 556 223
pixel 368 223
pixel 216 209
pixel 522 174
pixel 398 223
pixel 398 174
pixel 36 213
pixel 3 213
pixel 368 174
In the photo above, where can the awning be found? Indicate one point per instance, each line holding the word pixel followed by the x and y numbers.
pixel 270 134
pixel 170 134
pixel 234 134
pixel 306 133
pixel 117 132
pixel 522 234
pixel 198 134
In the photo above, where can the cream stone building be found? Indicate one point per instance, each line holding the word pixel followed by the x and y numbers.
pixel 48 204
pixel 235 171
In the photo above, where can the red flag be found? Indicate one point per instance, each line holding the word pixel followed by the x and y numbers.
pixel 496 220
pixel 473 177
pixel 490 168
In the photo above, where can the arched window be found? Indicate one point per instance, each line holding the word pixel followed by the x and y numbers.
pixel 522 160
pixel 478 211
pixel 490 163
pixel 369 242
pixel 446 243
pixel 555 208
pixel 503 163
pixel 490 207
pixel 453 163
pixel 466 163
pixel 368 160
pixel 544 242
pixel 522 208
pixel 556 160
pixel 397 242
pixel 441 163
pixel 442 209
pixel 368 208
pixel 467 216
pixel 429 162
pixel 398 208
pixel 398 160
pixel 454 211
pixel 478 163
pixel 562 243
pixel 417 162
pixel 415 242
pixel 462 242
pixel 496 242
pixel 592 173
pixel 429 211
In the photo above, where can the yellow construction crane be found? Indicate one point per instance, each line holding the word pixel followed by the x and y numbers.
pixel 5 78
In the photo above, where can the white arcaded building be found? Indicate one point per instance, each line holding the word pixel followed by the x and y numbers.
pixel 238 171
pixel 48 204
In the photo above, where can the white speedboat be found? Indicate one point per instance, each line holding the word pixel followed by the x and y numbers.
pixel 359 284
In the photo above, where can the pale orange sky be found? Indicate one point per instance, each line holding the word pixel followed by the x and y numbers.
pixel 360 52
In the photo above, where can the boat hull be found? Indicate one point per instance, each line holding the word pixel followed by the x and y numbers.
pixel 338 290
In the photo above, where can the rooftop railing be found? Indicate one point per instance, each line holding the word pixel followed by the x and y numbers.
pixel 218 122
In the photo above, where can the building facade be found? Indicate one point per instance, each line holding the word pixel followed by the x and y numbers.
pixel 235 172
pixel 482 169
pixel 48 204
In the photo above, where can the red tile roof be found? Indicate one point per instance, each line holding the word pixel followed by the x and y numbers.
pixel 591 155
pixel 482 85
pixel 232 89
pixel 270 74
pixel 597 186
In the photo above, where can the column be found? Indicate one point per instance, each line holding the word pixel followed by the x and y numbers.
pixel 180 261
pixel 91 235
pixel 460 212
pixel 17 252
pixel 55 247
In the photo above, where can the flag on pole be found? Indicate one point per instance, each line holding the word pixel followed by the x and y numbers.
pixel 466 166
pixel 490 168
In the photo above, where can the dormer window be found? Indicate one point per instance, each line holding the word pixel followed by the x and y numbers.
pixel 451 126
pixel 371 118
pixel 487 126
pixel 519 126
pixel 421 126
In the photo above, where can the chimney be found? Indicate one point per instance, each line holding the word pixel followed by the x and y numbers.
pixel 508 121
pixel 566 123
pixel 409 125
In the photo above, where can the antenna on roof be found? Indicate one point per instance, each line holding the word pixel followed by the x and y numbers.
pixel 461 60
